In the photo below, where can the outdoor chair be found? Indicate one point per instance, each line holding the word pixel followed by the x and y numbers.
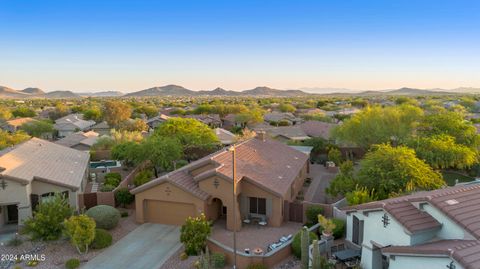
pixel 263 221
pixel 247 219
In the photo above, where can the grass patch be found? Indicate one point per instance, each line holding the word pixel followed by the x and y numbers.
pixel 451 177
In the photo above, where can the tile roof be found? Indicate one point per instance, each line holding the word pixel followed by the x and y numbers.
pixel 225 137
pixel 37 159
pixel 73 121
pixel 465 252
pixel 87 138
pixel 317 128
pixel 413 219
pixel 290 132
pixel 18 122
pixel 269 164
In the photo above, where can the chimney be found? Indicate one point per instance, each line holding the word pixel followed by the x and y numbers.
pixel 261 135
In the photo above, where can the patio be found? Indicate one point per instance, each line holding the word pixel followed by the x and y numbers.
pixel 253 236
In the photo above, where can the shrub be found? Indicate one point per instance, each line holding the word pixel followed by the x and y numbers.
pixel 180 163
pixel 143 177
pixel 105 216
pixel 283 123
pixel 183 256
pixel 194 234
pixel 72 263
pixel 112 179
pixel 312 214
pixel 339 229
pixel 124 214
pixel 102 239
pixel 107 188
pixel 257 266
pixel 124 197
pixel 218 260
pixel 81 230
pixel 296 243
pixel 47 221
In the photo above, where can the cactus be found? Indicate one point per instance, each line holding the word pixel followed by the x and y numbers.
pixel 305 244
pixel 316 258
pixel 205 260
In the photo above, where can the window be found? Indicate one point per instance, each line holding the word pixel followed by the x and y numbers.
pixel 258 206
pixel 48 194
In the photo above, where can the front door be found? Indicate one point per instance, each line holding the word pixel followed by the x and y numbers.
pixel 12 213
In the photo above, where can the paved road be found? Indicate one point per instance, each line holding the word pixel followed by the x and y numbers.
pixel 148 246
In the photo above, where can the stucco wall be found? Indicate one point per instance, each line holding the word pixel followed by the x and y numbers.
pixel 40 188
pixel 166 192
pixel 17 193
pixel 415 262
pixel 274 203
pixel 450 229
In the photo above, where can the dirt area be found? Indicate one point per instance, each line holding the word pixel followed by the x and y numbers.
pixel 58 252
pixel 174 262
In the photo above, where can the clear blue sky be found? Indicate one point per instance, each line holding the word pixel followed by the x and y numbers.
pixel 132 45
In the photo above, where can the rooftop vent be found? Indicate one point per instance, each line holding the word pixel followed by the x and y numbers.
pixel 451 202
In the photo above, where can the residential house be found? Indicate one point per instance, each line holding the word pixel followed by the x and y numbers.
pixel 430 229
pixel 79 140
pixel 72 123
pixel 212 120
pixel 15 124
pixel 102 128
pixel 225 137
pixel 268 174
pixel 276 117
pixel 35 170
pixel 318 129
pixel 157 121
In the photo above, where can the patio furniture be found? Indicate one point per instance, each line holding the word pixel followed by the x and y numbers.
pixel 247 251
pixel 347 255
pixel 352 263
pixel 284 239
pixel 247 220
pixel 263 221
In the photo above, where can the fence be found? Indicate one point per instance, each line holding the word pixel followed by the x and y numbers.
pixel 337 213
pixel 296 211
pixel 128 180
pixel 89 200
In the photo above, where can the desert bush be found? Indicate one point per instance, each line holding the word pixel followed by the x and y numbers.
pixel 107 188
pixel 81 231
pixel 112 179
pixel 218 260
pixel 312 214
pixel 339 229
pixel 102 239
pixel 194 234
pixel 105 216
pixel 124 197
pixel 72 263
pixel 143 177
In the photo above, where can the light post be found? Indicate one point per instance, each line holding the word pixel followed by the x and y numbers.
pixel 234 207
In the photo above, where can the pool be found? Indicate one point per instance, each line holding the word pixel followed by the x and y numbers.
pixel 105 164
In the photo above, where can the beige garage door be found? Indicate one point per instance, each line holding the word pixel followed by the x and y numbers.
pixel 168 212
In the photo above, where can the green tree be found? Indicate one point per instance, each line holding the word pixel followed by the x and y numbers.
pixel 23 112
pixel 37 128
pixel 283 107
pixel 334 155
pixel 194 234
pixel 392 170
pixel 116 112
pixel 130 152
pixel 81 230
pixel 252 116
pixel 189 132
pixel 93 113
pixel 344 182
pixel 442 152
pixel 137 125
pixel 124 197
pixel 161 151
pixel 5 114
pixel 376 125
pixel 46 223
pixel 149 110
pixel 7 139
pixel 360 196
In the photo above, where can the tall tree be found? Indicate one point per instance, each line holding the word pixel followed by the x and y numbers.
pixel 23 111
pixel 5 114
pixel 8 140
pixel 38 128
pixel 162 152
pixel 189 132
pixel 116 112
pixel 93 113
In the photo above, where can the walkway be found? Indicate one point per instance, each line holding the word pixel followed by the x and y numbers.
pixel 321 178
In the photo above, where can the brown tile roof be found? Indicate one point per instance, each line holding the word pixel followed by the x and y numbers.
pixel 87 138
pixel 19 122
pixel 459 203
pixel 269 164
pixel 465 252
pixel 317 128
pixel 413 219
pixel 37 159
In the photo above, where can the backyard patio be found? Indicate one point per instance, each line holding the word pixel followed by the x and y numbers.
pixel 253 236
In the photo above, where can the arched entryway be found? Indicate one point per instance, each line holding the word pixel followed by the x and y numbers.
pixel 218 211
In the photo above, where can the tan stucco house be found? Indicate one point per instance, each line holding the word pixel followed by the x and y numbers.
pixel 35 170
pixel 268 174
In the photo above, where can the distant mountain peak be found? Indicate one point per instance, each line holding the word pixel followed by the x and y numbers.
pixel 34 91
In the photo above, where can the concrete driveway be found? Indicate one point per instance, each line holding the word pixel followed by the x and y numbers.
pixel 148 246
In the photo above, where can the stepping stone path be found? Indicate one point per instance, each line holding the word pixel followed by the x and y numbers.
pixel 95 187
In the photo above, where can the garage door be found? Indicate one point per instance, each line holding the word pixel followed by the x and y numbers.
pixel 168 212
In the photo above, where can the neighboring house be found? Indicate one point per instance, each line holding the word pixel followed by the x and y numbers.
pixel 157 121
pixel 79 140
pixel 225 137
pixel 318 128
pixel 15 124
pixel 34 170
pixel 72 123
pixel 102 128
pixel 434 229
pixel 212 120
pixel 228 122
pixel 288 133
pixel 268 174
pixel 276 117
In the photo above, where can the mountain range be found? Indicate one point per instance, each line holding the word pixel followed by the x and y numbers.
pixel 175 90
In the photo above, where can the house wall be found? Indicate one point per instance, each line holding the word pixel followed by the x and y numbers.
pixel 297 185
pixel 223 191
pixel 274 203
pixel 2 215
pixel 159 192
pixel 416 262
pixel 40 188
pixel 17 193
pixel 450 229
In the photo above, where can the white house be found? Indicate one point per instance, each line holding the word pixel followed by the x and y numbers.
pixel 434 229
pixel 72 123
pixel 35 170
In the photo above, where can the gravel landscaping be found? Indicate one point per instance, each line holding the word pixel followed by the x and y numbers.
pixel 58 252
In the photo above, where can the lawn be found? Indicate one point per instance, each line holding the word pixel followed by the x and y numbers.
pixel 450 177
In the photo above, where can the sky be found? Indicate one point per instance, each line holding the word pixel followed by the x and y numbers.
pixel 93 45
